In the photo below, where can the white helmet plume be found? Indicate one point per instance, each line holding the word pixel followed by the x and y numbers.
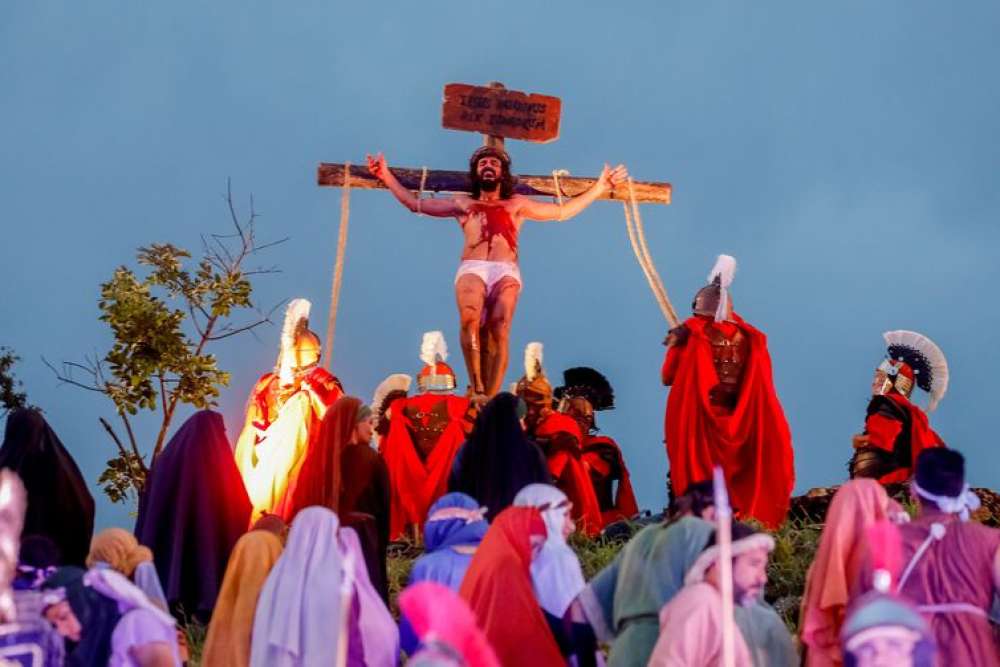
pixel 433 348
pixel 533 361
pixel 725 271
pixel 296 319
pixel 395 382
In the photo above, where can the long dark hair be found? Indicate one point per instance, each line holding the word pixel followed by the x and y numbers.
pixel 507 179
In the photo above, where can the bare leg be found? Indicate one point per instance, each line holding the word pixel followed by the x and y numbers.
pixel 470 294
pixel 500 317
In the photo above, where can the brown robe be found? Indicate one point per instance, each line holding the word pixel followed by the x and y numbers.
pixel 956 569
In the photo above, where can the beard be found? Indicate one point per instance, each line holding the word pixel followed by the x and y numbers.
pixel 488 181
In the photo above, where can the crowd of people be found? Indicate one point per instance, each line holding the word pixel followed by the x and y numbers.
pixel 278 543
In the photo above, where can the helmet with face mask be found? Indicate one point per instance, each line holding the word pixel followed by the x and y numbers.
pixel 911 360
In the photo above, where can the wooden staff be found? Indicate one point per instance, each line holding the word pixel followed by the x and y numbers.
pixel 724 538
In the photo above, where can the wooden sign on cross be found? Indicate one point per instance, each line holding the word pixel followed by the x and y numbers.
pixel 495 112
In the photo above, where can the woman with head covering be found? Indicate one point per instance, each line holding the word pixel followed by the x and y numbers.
pixel 60 506
pixel 499 591
pixel 109 621
pixel 498 459
pixel 839 562
pixel 556 572
pixel 455 526
pixel 302 608
pixel 342 473
pixel 119 550
pixel 191 513
pixel 228 640
pixel 377 630
pixel 445 628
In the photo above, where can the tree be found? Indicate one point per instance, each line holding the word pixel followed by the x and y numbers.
pixel 10 396
pixel 163 323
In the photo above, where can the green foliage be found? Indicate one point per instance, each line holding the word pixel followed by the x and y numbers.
pixel 163 316
pixel 795 545
pixel 10 396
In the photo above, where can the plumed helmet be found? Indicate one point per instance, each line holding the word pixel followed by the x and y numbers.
pixel 436 377
pixel 587 383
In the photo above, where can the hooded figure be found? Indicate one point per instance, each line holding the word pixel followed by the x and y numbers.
pixel 723 409
pixel 498 460
pixel 191 513
pixel 228 640
pixel 342 473
pixel 455 526
pixel 300 611
pixel 60 506
pixel 499 591
pixel 835 571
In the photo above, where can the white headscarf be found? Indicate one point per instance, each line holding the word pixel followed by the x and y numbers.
pixel 116 586
pixel 556 571
pixel 379 633
pixel 297 621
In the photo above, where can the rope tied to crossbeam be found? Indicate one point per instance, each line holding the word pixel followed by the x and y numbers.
pixel 556 173
pixel 637 237
pixel 420 194
pixel 338 265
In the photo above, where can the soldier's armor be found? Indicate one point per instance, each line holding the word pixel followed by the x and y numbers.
pixel 729 355
pixel 426 426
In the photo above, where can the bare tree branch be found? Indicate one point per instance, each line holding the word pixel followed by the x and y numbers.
pixel 65 379
pixel 131 437
pixel 232 209
pixel 234 332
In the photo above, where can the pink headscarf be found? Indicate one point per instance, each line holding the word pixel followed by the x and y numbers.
pixel 857 505
pixel 441 619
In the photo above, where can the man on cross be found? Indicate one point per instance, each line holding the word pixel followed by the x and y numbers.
pixel 488 281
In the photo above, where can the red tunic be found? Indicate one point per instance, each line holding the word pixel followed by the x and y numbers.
pixel 561 437
pixel 751 442
pixel 419 478
pixel 604 460
pixel 884 431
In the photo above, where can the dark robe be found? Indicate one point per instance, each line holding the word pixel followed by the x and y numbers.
pixel 498 460
pixel 60 506
pixel 191 513
pixel 364 506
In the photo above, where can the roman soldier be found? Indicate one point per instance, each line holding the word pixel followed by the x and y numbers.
pixel 283 413
pixel 897 430
pixel 559 437
pixel 584 392
pixel 722 409
pixel 424 434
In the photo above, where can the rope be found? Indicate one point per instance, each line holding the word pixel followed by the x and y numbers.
pixel 556 173
pixel 420 195
pixel 338 266
pixel 637 237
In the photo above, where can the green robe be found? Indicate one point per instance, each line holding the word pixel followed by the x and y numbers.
pixel 624 600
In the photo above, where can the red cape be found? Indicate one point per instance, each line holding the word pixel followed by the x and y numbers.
pixel 625 506
pixel 753 444
pixel 499 591
pixel 417 484
pixel 569 471
pixel 884 431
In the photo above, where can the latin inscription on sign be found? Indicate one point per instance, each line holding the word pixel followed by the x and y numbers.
pixel 501 112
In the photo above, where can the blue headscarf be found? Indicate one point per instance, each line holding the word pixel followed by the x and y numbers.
pixel 454 519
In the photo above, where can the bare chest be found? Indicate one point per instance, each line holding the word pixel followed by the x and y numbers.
pixel 491 232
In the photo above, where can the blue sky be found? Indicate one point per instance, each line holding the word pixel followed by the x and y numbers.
pixel 845 153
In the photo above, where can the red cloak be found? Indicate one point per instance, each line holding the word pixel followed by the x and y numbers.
pixel 603 458
pixel 563 453
pixel 416 484
pixel 884 430
pixel 499 591
pixel 753 443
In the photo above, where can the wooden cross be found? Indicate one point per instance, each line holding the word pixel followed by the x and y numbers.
pixel 497 113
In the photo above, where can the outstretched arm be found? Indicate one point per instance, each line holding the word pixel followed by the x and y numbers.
pixel 439 208
pixel 543 211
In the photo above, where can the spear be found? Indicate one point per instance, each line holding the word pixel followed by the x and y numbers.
pixel 724 519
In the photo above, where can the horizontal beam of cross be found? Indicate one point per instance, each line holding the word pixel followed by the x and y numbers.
pixel 647 192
